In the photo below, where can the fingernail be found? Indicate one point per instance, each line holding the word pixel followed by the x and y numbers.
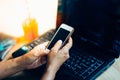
pixel 47 50
pixel 60 41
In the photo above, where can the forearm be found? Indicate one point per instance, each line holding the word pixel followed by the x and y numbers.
pixel 49 74
pixel 9 67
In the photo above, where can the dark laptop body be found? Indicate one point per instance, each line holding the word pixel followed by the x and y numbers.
pixel 97 32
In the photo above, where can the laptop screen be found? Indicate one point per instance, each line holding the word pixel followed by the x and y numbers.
pixel 95 21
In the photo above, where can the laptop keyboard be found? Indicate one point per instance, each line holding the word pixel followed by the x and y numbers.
pixel 82 66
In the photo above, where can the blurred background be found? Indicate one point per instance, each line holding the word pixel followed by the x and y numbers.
pixel 17 16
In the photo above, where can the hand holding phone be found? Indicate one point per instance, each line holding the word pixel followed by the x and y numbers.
pixel 63 33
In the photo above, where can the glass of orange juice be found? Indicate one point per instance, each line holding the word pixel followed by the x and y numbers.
pixel 30 28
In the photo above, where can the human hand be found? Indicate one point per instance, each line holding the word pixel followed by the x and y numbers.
pixel 34 58
pixel 58 56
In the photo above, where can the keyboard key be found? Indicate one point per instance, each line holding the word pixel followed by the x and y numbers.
pixel 35 43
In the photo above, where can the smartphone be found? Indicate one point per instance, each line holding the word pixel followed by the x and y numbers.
pixel 63 33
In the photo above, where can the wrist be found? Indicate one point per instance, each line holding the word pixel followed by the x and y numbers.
pixel 52 68
pixel 19 64
pixel 49 73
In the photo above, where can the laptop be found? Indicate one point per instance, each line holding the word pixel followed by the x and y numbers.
pixel 96 38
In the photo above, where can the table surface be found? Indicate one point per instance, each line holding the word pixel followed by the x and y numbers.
pixel 112 73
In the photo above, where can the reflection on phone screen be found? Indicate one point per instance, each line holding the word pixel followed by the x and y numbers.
pixel 61 35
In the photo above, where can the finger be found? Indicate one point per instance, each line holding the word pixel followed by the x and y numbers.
pixel 57 45
pixel 69 44
pixel 7 58
pixel 39 50
pixel 43 60
pixel 44 44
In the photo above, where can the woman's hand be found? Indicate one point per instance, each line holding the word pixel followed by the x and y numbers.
pixel 56 58
pixel 34 58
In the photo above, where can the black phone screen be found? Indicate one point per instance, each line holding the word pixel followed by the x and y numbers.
pixel 61 35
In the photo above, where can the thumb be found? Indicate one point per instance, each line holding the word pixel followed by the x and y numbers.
pixel 57 45
pixel 44 44
pixel 39 50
